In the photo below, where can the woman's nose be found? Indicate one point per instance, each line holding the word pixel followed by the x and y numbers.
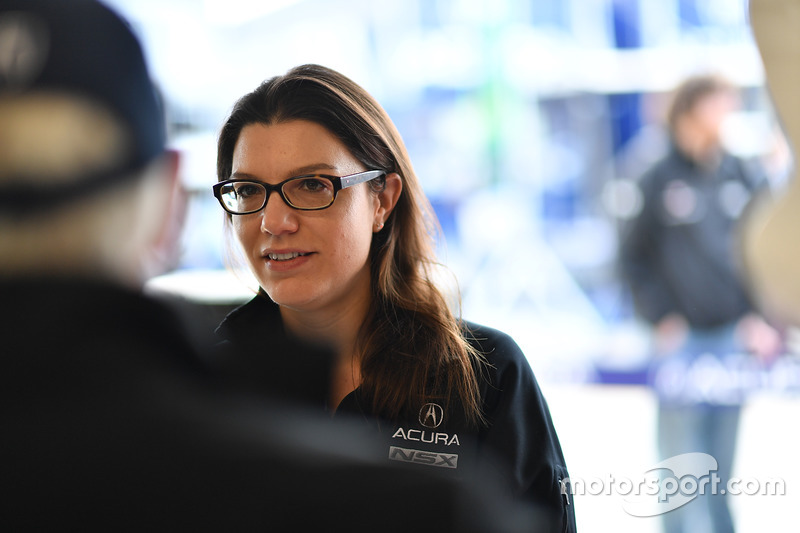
pixel 277 217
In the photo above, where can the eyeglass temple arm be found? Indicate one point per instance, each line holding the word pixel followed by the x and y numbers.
pixel 361 177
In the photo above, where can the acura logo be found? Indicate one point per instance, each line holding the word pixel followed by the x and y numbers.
pixel 431 415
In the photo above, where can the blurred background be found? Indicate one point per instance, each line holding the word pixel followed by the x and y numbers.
pixel 528 122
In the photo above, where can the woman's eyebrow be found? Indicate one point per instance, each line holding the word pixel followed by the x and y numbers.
pixel 308 169
pixel 243 176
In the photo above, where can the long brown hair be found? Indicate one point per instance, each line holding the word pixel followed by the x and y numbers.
pixel 412 346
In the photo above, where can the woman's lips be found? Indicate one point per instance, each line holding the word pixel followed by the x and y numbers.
pixel 284 260
pixel 276 256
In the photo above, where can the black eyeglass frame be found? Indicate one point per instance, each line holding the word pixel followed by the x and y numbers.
pixel 339 183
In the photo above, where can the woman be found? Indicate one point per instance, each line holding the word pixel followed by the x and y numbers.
pixel 343 255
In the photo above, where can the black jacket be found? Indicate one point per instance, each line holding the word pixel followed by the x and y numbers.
pixel 111 420
pixel 680 254
pixel 519 445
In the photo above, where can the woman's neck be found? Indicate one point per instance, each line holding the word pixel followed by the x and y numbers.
pixel 338 329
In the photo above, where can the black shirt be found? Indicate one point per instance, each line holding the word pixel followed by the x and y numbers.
pixel 519 445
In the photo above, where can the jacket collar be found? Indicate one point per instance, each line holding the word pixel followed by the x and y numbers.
pixel 258 314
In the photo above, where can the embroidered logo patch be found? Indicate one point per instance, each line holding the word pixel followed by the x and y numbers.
pixel 431 415
pixel 442 460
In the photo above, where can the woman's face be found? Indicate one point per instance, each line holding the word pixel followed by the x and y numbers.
pixel 306 260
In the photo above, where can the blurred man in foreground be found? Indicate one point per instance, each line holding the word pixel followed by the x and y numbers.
pixel 109 417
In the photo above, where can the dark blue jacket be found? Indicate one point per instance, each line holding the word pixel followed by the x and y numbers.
pixel 680 253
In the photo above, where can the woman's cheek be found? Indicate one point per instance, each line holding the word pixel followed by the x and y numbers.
pixel 243 230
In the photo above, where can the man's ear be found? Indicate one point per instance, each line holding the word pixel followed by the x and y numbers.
pixel 387 198
pixel 164 247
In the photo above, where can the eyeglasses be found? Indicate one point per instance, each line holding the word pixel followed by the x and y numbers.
pixel 307 193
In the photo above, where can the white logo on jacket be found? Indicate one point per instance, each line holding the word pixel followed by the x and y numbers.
pixel 420 435
pixel 431 415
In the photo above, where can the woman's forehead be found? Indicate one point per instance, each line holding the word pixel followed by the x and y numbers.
pixel 291 148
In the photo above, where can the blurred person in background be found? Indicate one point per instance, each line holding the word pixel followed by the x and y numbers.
pixel 111 420
pixel 681 261
pixel 331 219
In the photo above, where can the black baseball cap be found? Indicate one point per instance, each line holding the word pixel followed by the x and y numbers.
pixel 81 48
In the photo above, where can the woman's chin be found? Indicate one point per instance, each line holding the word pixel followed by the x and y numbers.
pixel 290 299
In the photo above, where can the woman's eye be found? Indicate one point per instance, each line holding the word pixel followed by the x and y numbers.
pixel 314 185
pixel 247 189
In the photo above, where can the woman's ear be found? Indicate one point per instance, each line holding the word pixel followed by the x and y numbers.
pixel 387 198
